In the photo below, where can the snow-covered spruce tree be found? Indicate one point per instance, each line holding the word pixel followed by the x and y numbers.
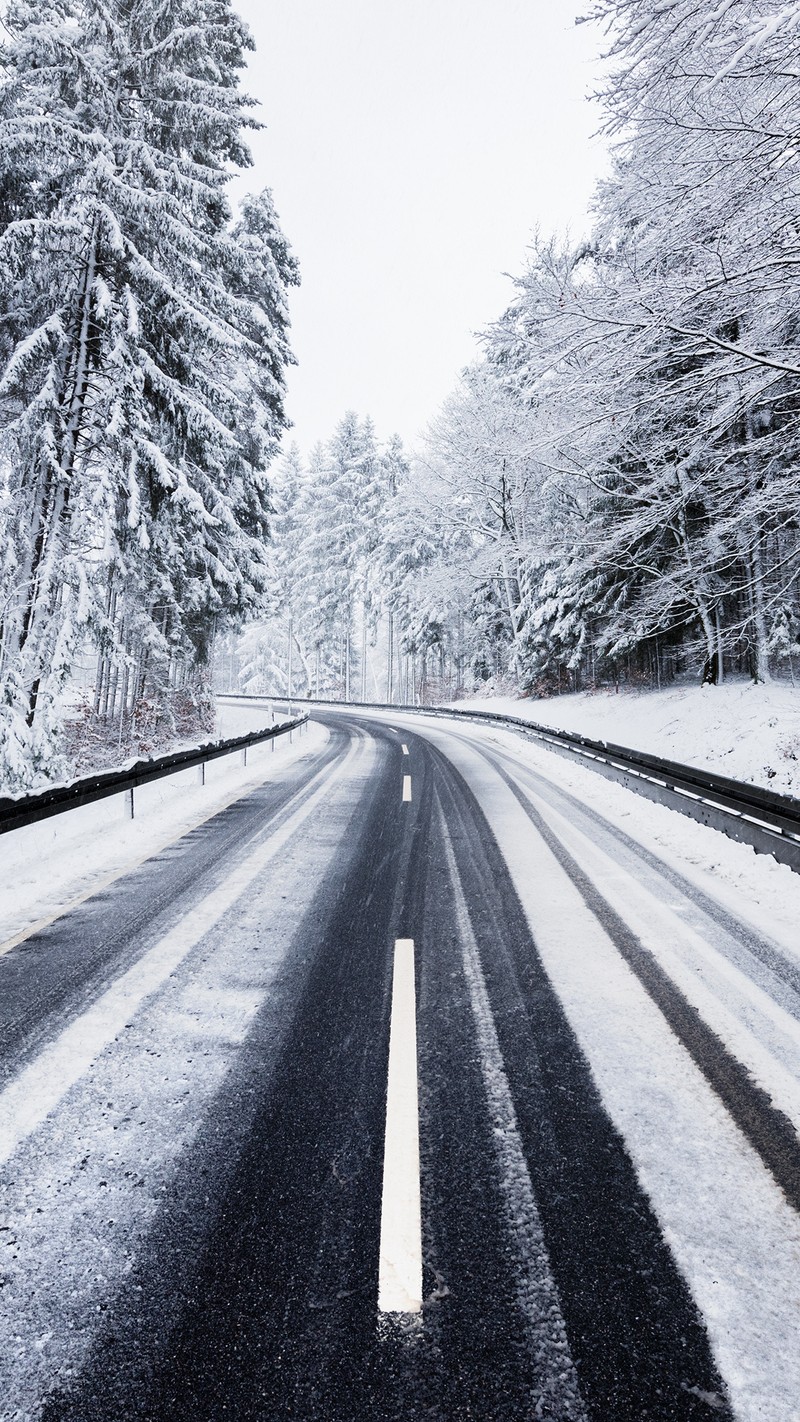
pixel 382 585
pixel 287 642
pixel 341 555
pixel 142 349
pixel 341 516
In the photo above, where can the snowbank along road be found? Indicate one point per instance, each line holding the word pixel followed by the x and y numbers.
pixel 406 1086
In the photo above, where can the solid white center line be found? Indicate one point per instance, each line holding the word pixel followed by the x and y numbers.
pixel 406 787
pixel 400 1269
pixel 405 750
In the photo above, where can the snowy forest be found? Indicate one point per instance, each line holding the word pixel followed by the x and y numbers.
pixel 143 346
pixel 610 494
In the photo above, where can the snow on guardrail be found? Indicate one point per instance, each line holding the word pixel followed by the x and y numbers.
pixel 28 809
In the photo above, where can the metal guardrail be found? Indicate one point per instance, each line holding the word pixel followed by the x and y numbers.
pixel 28 809
pixel 767 821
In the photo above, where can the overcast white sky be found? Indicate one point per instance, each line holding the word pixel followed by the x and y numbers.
pixel 412 147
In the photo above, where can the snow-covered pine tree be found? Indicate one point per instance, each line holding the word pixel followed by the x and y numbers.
pixel 381 583
pixel 294 629
pixel 341 516
pixel 338 561
pixel 142 350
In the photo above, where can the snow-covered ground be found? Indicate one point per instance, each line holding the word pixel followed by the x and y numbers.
pixel 741 730
pixel 753 887
pixel 63 860
pixel 76 1214
pixel 747 732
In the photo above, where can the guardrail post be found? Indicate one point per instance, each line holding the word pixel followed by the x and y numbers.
pixel 29 809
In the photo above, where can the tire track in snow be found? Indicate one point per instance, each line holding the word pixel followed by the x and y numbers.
pixel 53 975
pixel 758 957
pixel 556 1383
pixel 83 1194
pixel 636 1336
pixel 768 1130
pixel 730 1229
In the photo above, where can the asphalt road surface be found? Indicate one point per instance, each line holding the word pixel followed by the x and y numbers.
pixel 404 1087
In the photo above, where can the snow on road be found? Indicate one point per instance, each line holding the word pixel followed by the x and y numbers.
pixel 97 1168
pixel 87 1183
pixel 752 886
pixel 49 865
pixel 732 1231
pixel 741 730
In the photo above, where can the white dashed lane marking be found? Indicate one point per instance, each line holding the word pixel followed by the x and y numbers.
pixel 400 1269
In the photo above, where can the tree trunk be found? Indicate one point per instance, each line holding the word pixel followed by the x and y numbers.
pixel 390 660
pixel 289 668
pixel 755 564
pixel 513 617
pixel 51 510
pixel 720 644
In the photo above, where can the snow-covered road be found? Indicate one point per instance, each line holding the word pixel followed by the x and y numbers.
pixel 598 1172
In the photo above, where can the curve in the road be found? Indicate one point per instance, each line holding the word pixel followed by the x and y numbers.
pixel 551 1287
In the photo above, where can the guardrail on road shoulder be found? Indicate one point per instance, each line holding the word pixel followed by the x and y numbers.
pixel 767 821
pixel 28 809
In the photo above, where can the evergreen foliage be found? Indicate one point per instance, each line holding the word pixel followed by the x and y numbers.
pixel 616 487
pixel 337 587
pixel 142 351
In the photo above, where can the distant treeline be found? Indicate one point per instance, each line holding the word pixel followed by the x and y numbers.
pixel 613 493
